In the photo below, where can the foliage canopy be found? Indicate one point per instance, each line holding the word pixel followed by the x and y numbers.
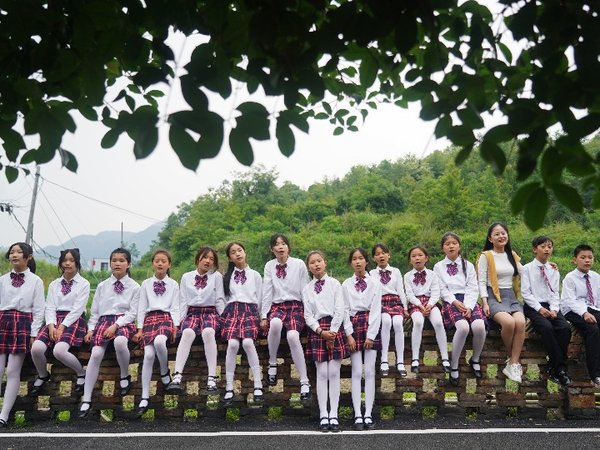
pixel 329 60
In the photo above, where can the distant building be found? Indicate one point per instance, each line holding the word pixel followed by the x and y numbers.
pixel 99 265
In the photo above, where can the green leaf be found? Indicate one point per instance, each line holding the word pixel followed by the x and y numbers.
pixel 192 93
pixel 145 142
pixel 240 147
pixel 519 198
pixel 499 133
pixel 11 173
pixel 254 120
pixel 368 71
pixel 568 196
pixel 492 153
pixel 338 131
pixel 536 208
pixel 13 143
pixel 28 157
pixel 110 138
pixel 185 147
pixel 68 160
pixel 505 52
pixel 285 137
pixel 463 154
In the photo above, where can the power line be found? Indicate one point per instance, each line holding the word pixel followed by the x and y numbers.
pixel 103 202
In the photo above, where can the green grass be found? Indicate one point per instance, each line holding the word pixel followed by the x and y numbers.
pixel 512 412
pixel 63 416
pixel 387 412
pixel 275 413
pixel 190 414
pixel 232 415
pixel 429 412
pixel 346 412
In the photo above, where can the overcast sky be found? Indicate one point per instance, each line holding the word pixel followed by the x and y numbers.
pixel 151 189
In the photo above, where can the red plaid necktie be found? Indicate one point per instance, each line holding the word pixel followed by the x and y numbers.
pixel 118 287
pixel 385 276
pixel 280 268
pixel 452 269
pixel 590 292
pixel 65 286
pixel 545 278
pixel 319 286
pixel 420 278
pixel 159 287
pixel 200 281
pixel 17 279
pixel 239 276
pixel 361 284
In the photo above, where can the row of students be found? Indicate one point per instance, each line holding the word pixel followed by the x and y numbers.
pixel 235 308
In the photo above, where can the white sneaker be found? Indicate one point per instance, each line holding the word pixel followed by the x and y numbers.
pixel 513 372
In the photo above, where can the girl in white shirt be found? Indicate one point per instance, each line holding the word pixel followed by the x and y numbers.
pixel 65 322
pixel 113 313
pixel 498 270
pixel 158 311
pixel 21 316
pixel 326 345
pixel 423 294
pixel 362 296
pixel 240 320
pixel 282 307
pixel 460 310
pixel 201 301
pixel 394 308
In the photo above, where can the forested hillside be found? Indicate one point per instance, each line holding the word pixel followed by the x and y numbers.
pixel 403 203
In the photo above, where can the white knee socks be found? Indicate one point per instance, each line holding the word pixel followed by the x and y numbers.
pixel 253 361
pixel 274 338
pixel 62 353
pixel 183 350
pixel 38 356
pixel 356 359
pixel 458 342
pixel 417 333
pixel 210 350
pixel 13 380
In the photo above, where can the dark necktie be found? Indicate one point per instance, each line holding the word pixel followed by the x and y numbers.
pixel 159 287
pixel 239 276
pixel 420 278
pixel 590 292
pixel 452 269
pixel 385 276
pixel 17 279
pixel 280 268
pixel 118 287
pixel 200 281
pixel 361 284
pixel 545 278
pixel 319 286
pixel 65 286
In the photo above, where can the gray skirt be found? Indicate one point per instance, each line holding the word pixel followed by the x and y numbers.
pixel 509 304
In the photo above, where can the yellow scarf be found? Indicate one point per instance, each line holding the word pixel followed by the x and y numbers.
pixel 493 275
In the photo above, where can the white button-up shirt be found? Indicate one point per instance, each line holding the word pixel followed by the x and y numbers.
pixel 574 296
pixel 395 286
pixel 278 290
pixel 150 301
pixel 327 303
pixel 431 288
pixel 459 283
pixel 367 300
pixel 249 292
pixel 107 302
pixel 211 295
pixel 27 298
pixel 535 290
pixel 74 302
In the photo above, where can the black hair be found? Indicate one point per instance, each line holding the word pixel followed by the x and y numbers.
pixel 363 252
pixel 582 248
pixel 162 251
pixel 76 257
pixel 452 235
pixel 204 251
pixel 419 247
pixel 507 248
pixel 273 241
pixel 384 248
pixel 539 240
pixel 230 268
pixel 27 254
pixel 125 252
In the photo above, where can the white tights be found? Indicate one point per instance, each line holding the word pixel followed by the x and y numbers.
pixel 460 336
pixel 435 317
pixel 93 367
pixel 13 380
pixel 158 349
pixel 210 349
pixel 397 322
pixel 328 387
pixel 356 358
pixel 233 346
pixel 61 352
pixel 293 338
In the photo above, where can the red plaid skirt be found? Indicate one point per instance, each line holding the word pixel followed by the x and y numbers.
pixel 106 321
pixel 316 347
pixel 200 317
pixel 72 335
pixel 451 315
pixel 424 299
pixel 392 305
pixel 15 330
pixel 360 325
pixel 291 313
pixel 155 324
pixel 240 320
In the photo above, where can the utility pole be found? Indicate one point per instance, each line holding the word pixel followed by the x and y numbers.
pixel 29 233
pixel 122 243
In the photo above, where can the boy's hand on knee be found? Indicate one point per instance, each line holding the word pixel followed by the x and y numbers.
pixel 589 318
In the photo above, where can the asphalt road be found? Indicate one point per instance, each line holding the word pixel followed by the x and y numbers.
pixel 257 433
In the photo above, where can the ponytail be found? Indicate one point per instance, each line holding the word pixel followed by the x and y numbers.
pixel 227 278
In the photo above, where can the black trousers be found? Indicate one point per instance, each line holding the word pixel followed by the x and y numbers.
pixel 591 339
pixel 556 335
